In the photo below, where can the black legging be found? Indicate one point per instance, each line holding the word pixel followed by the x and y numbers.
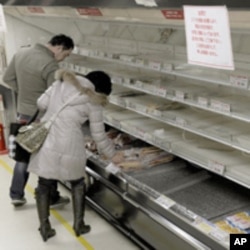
pixel 50 185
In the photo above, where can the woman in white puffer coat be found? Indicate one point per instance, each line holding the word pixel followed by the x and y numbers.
pixel 63 154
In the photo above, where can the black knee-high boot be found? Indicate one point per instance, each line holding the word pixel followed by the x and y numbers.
pixel 42 203
pixel 78 202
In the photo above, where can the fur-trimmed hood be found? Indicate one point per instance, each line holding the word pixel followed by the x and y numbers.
pixel 70 77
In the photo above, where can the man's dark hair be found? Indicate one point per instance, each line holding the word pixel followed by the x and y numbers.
pixel 63 40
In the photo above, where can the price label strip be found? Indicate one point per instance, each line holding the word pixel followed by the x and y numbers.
pixel 154 65
pixel 138 84
pixel 180 121
pixel 220 236
pixel 216 167
pixel 203 101
pixel 84 52
pixel 160 91
pixel 112 168
pixel 179 95
pixel 204 225
pixel 239 81
pixel 165 201
pixel 139 62
pixel 127 81
pixel 157 113
pixel 166 67
pixel 117 79
pixel 221 106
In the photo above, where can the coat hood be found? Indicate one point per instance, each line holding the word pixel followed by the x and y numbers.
pixel 70 77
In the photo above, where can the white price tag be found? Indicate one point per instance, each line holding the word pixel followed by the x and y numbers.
pixel 157 113
pixel 140 133
pixel 202 101
pixel 166 67
pixel 118 100
pixel 148 137
pixel 112 168
pixel 126 58
pixel 157 141
pixel 83 70
pixel 165 201
pixel 77 68
pixel 221 106
pixel 239 81
pixel 131 105
pixel 117 79
pixel 139 84
pixel 160 91
pixel 225 107
pixel 149 88
pixel 76 50
pixel 84 52
pixel 127 80
pixel 220 235
pixel 154 65
pixel 216 167
pixel 179 95
pixel 139 62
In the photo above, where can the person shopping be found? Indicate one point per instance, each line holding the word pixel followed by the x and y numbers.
pixel 30 72
pixel 63 154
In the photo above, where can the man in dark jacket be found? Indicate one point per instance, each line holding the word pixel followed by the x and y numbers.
pixel 29 74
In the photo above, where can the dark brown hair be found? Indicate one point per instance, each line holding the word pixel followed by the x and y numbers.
pixel 101 81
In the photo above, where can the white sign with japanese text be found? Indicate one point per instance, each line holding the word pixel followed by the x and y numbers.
pixel 208 36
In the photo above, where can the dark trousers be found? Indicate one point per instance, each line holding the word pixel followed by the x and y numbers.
pixel 19 180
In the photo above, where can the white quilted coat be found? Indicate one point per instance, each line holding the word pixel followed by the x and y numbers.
pixel 63 155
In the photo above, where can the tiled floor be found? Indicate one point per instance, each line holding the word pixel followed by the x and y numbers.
pixel 19 226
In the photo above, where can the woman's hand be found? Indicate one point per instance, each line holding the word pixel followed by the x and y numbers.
pixel 118 157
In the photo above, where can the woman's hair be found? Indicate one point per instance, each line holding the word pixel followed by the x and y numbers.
pixel 101 81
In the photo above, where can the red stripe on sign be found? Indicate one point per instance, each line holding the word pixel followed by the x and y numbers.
pixel 173 14
pixel 89 11
pixel 36 10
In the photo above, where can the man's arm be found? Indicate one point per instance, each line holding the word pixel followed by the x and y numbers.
pixel 48 73
pixel 9 76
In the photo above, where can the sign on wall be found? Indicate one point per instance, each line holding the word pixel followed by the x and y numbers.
pixel 208 36
pixel 236 4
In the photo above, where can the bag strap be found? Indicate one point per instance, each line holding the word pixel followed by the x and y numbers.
pixel 51 120
pixel 33 118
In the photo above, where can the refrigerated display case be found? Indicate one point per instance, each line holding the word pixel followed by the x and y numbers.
pixel 198 114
